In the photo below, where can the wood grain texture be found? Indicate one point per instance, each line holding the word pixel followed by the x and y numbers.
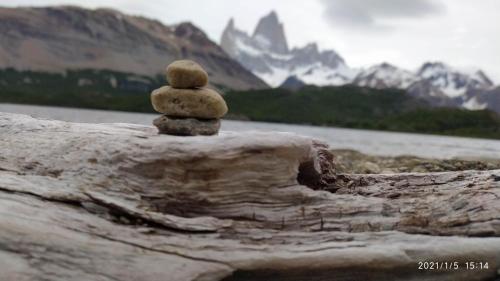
pixel 119 202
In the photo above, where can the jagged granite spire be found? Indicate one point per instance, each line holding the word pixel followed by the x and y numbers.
pixel 271 34
pixel 227 40
pixel 266 54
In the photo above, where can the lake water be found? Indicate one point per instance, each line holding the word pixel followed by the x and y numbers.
pixel 366 141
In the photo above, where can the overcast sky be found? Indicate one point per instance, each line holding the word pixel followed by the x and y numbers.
pixel 462 33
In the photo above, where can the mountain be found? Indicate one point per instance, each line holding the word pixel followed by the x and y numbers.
pixel 480 99
pixel 435 82
pixel 442 85
pixel 57 39
pixel 435 97
pixel 271 34
pixel 453 83
pixel 293 83
pixel 384 76
pixel 266 53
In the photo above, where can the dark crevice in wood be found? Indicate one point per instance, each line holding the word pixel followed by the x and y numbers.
pixel 318 172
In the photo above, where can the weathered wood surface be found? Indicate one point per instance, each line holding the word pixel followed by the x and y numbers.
pixel 119 202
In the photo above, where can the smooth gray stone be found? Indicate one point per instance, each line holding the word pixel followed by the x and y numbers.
pixel 187 126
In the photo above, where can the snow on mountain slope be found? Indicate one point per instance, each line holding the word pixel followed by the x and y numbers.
pixel 480 99
pixel 435 82
pixel 474 104
pixel 385 75
pixel 453 83
pixel 266 54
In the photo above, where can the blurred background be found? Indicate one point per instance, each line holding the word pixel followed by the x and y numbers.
pixel 351 72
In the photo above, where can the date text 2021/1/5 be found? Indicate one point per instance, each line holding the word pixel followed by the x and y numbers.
pixel 452 265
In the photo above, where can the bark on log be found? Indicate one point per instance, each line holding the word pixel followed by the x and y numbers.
pixel 119 202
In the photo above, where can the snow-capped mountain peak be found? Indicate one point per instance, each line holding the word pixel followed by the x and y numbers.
pixel 385 75
pixel 270 34
pixel 453 83
pixel 481 76
pixel 266 54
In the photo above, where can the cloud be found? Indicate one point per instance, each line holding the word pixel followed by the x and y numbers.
pixel 376 13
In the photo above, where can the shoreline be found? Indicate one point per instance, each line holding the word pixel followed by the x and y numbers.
pixel 243 118
pixel 372 143
pixel 354 162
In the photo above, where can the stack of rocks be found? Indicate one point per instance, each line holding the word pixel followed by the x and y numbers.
pixel 188 108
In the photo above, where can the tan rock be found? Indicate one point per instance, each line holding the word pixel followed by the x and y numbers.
pixel 197 103
pixel 185 74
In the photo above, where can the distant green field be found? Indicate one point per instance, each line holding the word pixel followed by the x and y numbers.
pixel 345 106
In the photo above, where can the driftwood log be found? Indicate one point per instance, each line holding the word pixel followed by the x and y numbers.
pixel 120 202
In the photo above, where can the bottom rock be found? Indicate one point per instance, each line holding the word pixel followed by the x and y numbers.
pixel 186 126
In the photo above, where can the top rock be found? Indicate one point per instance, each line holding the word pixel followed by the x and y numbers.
pixel 185 74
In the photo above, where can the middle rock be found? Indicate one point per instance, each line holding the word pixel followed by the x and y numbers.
pixel 201 103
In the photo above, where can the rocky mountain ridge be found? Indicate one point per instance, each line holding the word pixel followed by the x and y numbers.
pixel 56 39
pixel 267 55
pixel 436 82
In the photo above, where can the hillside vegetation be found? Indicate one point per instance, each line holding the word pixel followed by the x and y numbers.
pixel 85 89
pixel 355 107
pixel 345 106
